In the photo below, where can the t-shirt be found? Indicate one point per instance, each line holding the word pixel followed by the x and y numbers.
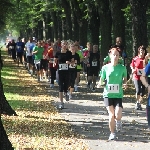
pixel 81 56
pixel 45 52
pixel 62 58
pixel 20 47
pixel 39 54
pixel 12 46
pixel 77 59
pixel 113 76
pixel 108 60
pixel 29 47
pixel 94 61
pixel 137 63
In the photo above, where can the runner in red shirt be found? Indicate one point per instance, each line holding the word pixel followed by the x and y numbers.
pixel 52 68
pixel 137 69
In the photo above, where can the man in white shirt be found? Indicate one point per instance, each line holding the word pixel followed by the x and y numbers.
pixel 29 48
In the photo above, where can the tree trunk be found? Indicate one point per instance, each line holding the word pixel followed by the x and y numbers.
pixel 59 21
pixel 82 22
pixel 105 28
pixel 5 144
pixel 118 20
pixel 40 30
pixel 94 25
pixel 67 10
pixel 83 27
pixel 49 31
pixel 64 29
pixel 139 24
pixel 75 28
pixel 55 24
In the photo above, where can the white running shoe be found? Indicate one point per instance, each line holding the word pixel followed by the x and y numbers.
pixel 51 85
pixel 70 96
pixel 112 136
pixel 61 106
pixel 76 88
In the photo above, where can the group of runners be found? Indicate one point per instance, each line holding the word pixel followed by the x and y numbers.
pixel 63 61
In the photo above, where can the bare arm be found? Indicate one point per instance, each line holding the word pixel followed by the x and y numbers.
pixel 143 79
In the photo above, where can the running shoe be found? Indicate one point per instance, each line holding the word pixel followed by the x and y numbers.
pixel 76 88
pixel 66 97
pixel 93 89
pixel 38 78
pixel 70 96
pixel 88 86
pixel 61 106
pixel 51 85
pixel 112 136
pixel 138 106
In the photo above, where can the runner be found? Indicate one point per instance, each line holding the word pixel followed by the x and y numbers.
pixel 38 54
pixel 137 69
pixel 44 61
pixel 115 74
pixel 73 69
pixel 86 52
pixel 79 68
pixel 51 53
pixel 13 49
pixel 146 73
pixel 29 49
pixel 20 50
pixel 63 58
pixel 147 61
pixel 9 48
pixel 93 67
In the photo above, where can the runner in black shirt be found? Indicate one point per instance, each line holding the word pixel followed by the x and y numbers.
pixel 64 60
pixel 73 69
pixel 93 67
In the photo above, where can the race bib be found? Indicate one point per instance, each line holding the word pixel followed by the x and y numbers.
pixel 139 72
pixel 63 66
pixel 11 47
pixel 94 63
pixel 37 62
pixel 113 88
pixel 18 47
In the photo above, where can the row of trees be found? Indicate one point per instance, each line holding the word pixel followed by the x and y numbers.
pixel 98 21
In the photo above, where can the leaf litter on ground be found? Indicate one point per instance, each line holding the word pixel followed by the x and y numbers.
pixel 38 125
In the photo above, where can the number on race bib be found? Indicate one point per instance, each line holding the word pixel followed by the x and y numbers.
pixel 63 66
pixel 113 88
pixel 139 72
pixel 94 63
pixel 18 47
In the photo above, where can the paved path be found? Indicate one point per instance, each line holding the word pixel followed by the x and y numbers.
pixel 88 116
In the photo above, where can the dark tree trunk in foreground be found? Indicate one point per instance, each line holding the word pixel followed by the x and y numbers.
pixel 139 23
pixel 105 28
pixel 6 108
pixel 118 20
pixel 5 144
